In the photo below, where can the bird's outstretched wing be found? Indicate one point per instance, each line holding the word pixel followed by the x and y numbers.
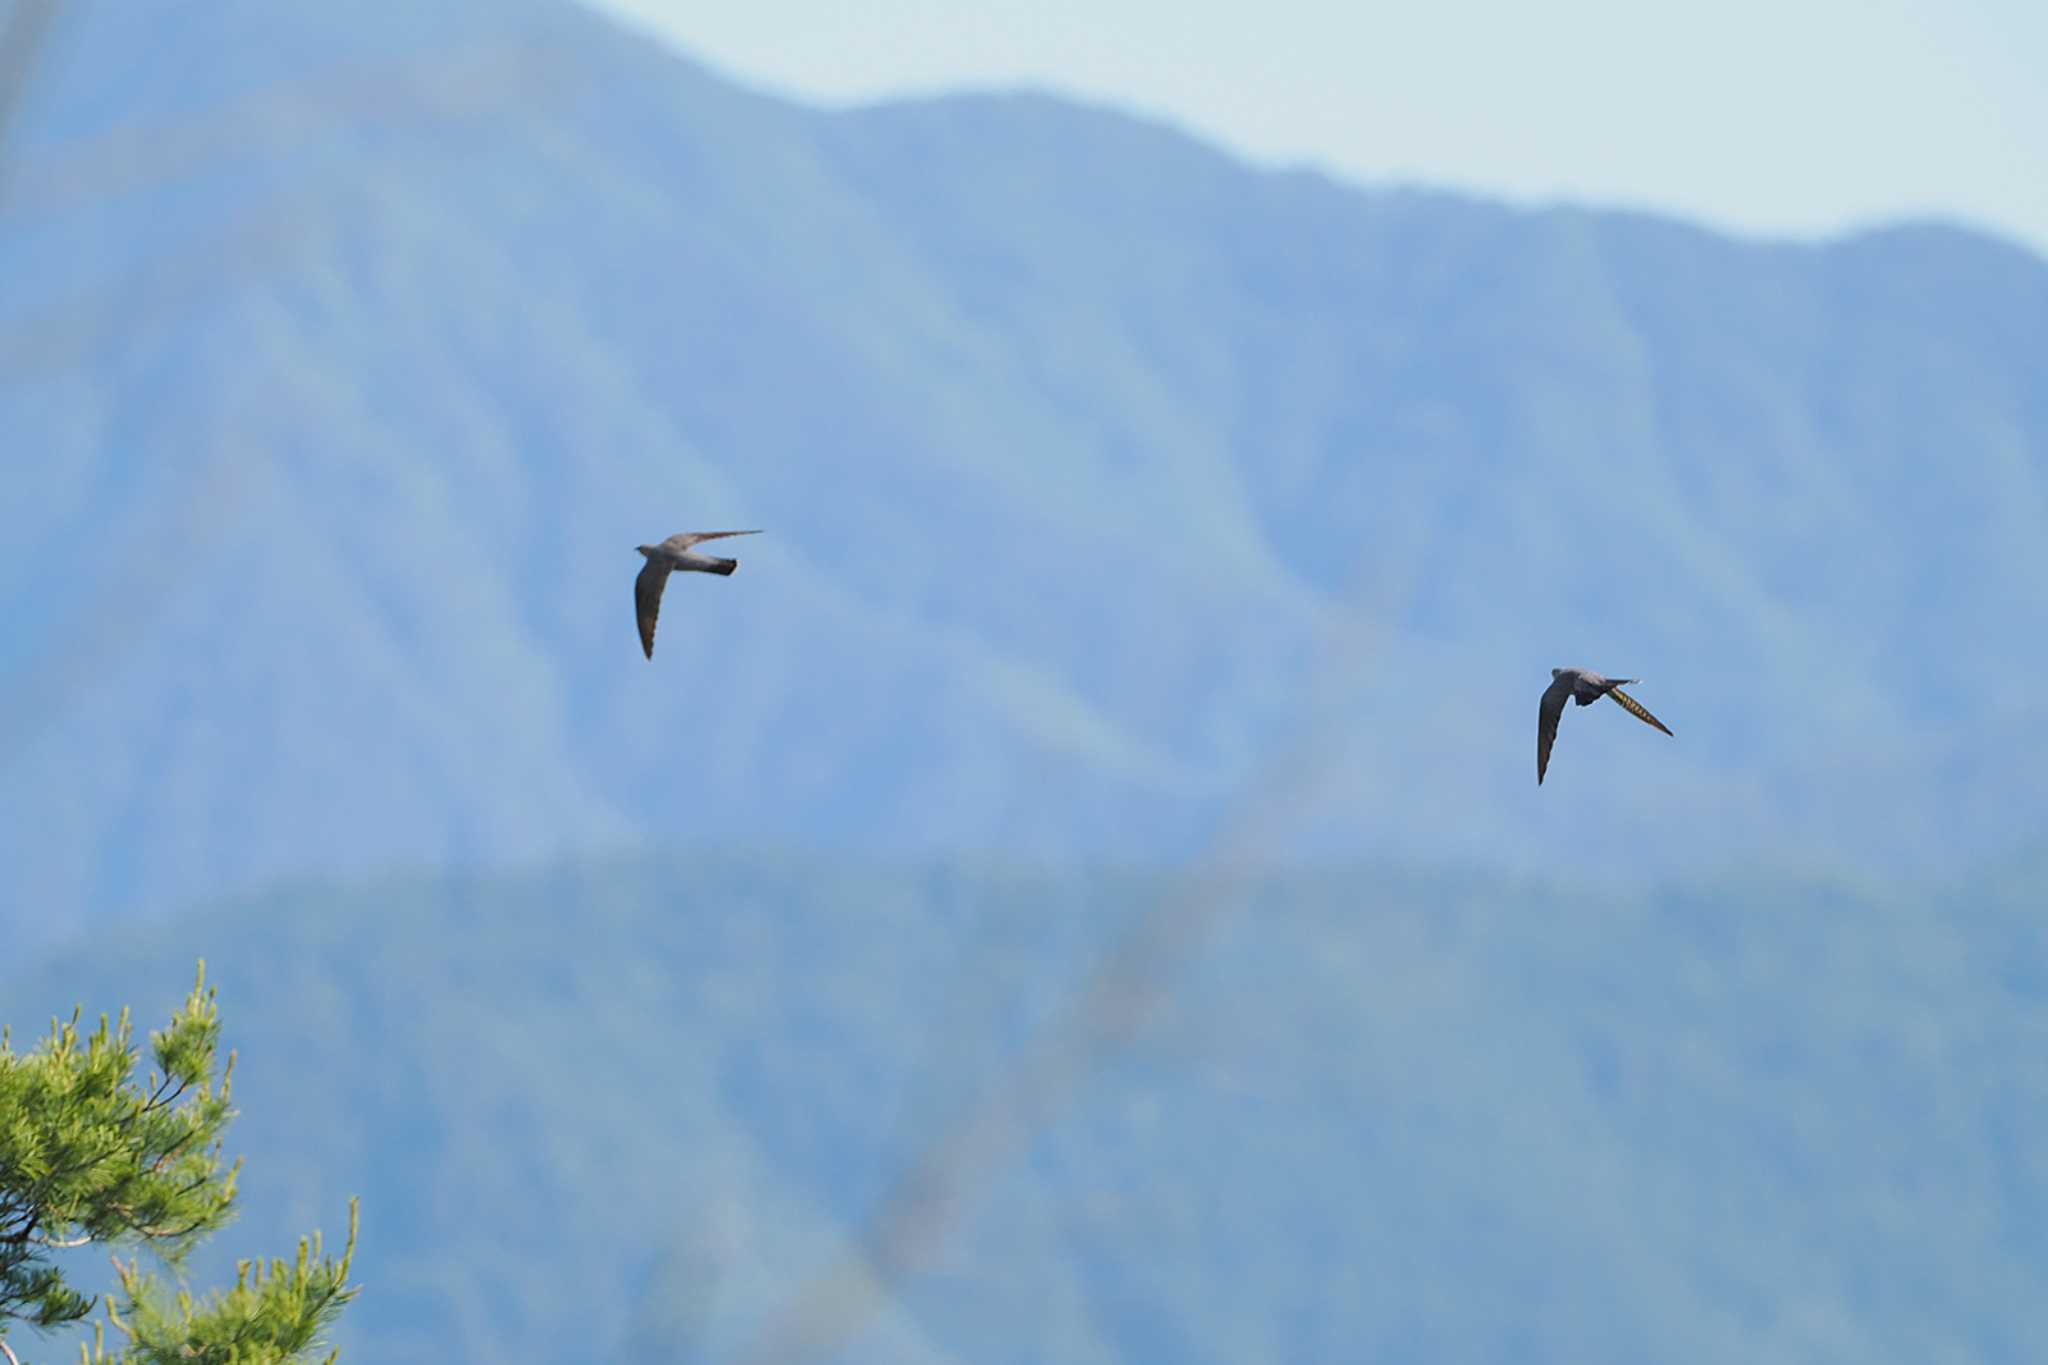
pixel 1547 712
pixel 684 541
pixel 1637 709
pixel 647 601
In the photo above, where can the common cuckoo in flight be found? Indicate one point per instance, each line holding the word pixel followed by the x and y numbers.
pixel 674 555
pixel 1576 684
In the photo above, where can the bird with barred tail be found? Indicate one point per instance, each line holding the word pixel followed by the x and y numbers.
pixel 674 555
pixel 1585 688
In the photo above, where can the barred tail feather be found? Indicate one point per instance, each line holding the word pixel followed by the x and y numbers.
pixel 1637 709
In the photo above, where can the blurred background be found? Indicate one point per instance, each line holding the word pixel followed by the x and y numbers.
pixel 1080 891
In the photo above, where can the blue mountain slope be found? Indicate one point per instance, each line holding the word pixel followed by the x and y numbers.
pixel 624 1111
pixel 348 352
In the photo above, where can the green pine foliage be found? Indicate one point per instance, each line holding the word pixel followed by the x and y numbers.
pixel 91 1157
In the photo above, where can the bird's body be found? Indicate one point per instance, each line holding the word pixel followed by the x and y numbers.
pixel 1584 687
pixel 674 555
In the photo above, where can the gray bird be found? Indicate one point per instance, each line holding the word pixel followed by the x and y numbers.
pixel 1584 688
pixel 674 555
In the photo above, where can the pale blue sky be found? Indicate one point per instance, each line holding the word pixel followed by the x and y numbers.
pixel 1776 116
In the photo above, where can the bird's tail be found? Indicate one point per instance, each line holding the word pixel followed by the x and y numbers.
pixel 724 566
pixel 1638 710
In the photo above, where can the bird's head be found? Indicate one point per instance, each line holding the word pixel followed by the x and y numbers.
pixel 1555 672
pixel 647 550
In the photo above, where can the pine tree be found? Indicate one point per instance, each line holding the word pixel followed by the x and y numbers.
pixel 90 1157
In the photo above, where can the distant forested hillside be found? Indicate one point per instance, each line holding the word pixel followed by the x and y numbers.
pixel 620 1111
pixel 347 351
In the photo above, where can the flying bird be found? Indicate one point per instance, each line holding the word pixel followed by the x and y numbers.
pixel 1584 688
pixel 674 555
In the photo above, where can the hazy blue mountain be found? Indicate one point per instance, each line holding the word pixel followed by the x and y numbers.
pixel 1379 1115
pixel 347 351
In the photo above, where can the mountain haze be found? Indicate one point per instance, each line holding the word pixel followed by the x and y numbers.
pixel 346 353
pixel 622 1111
